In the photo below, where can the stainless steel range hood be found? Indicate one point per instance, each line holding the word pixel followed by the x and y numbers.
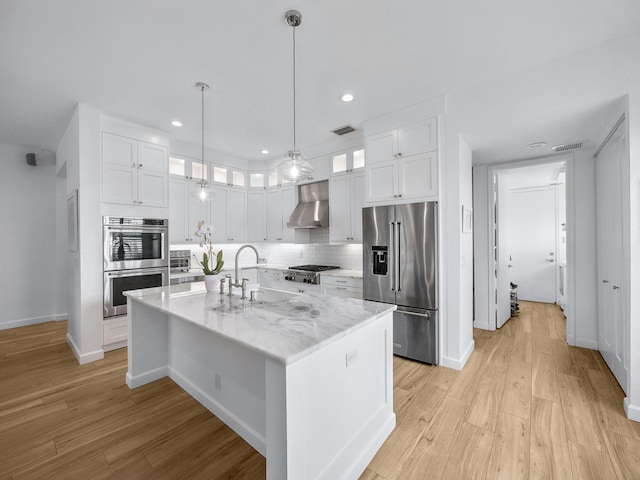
pixel 312 210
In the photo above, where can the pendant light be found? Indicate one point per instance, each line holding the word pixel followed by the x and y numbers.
pixel 201 189
pixel 295 167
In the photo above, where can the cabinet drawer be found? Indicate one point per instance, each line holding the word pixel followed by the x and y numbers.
pixel 345 292
pixel 341 281
pixel 114 331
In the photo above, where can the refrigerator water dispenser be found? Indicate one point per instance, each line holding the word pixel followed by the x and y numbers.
pixel 380 255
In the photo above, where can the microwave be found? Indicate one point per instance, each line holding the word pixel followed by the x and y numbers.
pixel 180 260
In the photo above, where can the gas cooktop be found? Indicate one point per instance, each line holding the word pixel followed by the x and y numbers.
pixel 313 268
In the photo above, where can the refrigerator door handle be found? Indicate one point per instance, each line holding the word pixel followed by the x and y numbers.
pixel 392 257
pixel 399 276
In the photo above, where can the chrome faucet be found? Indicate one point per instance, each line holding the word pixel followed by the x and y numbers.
pixel 237 282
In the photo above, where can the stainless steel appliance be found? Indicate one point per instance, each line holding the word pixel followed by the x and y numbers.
pixel 132 243
pixel 400 258
pixel 312 210
pixel 116 282
pixel 135 256
pixel 179 260
pixel 306 273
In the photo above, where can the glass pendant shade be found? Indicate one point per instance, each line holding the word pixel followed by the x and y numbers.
pixel 295 168
pixel 201 190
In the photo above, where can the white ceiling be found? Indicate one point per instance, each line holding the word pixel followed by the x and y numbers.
pixel 139 60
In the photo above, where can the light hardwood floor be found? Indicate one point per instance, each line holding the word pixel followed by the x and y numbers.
pixel 526 405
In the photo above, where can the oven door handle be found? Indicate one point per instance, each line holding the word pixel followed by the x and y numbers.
pixel 136 272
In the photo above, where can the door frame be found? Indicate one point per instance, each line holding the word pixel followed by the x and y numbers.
pixel 571 235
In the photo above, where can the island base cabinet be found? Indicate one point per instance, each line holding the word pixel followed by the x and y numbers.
pixel 323 416
pixel 330 412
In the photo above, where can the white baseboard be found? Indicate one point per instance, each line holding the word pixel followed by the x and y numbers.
pixel 146 377
pixel 23 322
pixel 115 346
pixel 583 343
pixel 632 411
pixel 481 325
pixel 252 437
pixel 83 358
pixel 458 363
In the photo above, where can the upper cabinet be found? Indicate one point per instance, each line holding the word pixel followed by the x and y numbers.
pixel 346 198
pixel 185 212
pixel 232 177
pixel 347 161
pixel 280 204
pixel 134 172
pixel 402 164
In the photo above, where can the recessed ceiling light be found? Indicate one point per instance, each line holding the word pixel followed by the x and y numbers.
pixel 176 123
pixel 536 145
pixel 264 152
pixel 347 97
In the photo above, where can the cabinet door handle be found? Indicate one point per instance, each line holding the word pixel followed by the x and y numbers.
pixel 399 154
pixel 616 287
pixel 341 281
pixel 139 165
pixel 605 281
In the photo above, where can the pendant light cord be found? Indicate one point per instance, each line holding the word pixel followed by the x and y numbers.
pixel 294 88
pixel 202 171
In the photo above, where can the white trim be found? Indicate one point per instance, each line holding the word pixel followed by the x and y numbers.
pixel 254 439
pixel 146 377
pixel 23 322
pixel 481 325
pixel 458 363
pixel 86 357
pixel 569 159
pixel 115 346
pixel 632 411
pixel 582 343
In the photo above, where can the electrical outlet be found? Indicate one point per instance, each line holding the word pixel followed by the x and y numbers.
pixel 218 382
pixel 262 260
pixel 351 357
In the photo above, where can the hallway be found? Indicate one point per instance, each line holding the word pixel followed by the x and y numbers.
pixel 526 405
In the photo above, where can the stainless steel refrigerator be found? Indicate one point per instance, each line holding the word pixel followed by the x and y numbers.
pixel 400 257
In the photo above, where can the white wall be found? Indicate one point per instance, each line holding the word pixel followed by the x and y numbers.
pixel 456 336
pixel 79 149
pixel 27 239
pixel 582 322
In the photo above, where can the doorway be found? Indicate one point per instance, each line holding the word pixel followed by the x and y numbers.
pixel 529 235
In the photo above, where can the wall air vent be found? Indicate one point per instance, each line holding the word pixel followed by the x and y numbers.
pixel 566 147
pixel 344 130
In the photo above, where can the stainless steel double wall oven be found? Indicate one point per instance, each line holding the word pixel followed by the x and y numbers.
pixel 135 255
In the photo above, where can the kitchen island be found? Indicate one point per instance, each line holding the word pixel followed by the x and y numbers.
pixel 307 380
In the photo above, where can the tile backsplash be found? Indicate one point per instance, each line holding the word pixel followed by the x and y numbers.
pixel 287 254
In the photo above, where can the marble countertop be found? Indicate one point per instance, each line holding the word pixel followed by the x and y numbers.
pixel 282 325
pixel 343 273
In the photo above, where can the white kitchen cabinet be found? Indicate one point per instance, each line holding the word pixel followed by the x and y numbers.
pixel 256 215
pixel 185 212
pixel 134 172
pixel 346 198
pixel 401 142
pixel 181 166
pixel 407 178
pixel 115 332
pixel 229 214
pixel 402 164
pixel 339 286
pixel 280 205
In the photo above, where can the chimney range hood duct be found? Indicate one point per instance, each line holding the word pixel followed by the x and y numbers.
pixel 312 210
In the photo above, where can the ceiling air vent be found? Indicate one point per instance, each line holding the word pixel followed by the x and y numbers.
pixel 566 147
pixel 344 130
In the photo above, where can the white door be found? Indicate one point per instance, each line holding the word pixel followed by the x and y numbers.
pixel 501 250
pixel 532 221
pixel 612 327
